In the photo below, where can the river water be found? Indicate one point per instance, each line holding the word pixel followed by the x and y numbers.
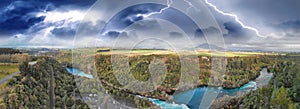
pixel 191 99
pixel 77 72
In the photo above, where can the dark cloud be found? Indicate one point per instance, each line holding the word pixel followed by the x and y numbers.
pixel 65 32
pixel 236 30
pixel 43 4
pixel 262 11
pixel 18 24
pixel 211 30
pixel 43 25
pixel 4 3
pixel 288 26
pixel 236 33
pixel 146 25
pixel 276 19
pixel 87 28
pixel 199 33
pixel 175 35
pixel 77 3
pixel 120 35
pixel 124 35
pixel 270 10
pixel 113 34
pixel 20 17
pixel 131 14
pixel 17 17
pixel 295 24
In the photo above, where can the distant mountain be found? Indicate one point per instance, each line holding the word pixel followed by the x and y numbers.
pixel 209 47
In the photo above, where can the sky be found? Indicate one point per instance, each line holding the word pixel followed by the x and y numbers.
pixel 57 23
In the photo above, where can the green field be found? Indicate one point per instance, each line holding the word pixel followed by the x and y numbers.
pixel 199 53
pixel 6 70
pixel 93 51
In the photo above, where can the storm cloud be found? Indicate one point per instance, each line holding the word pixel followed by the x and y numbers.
pixel 35 21
pixel 17 17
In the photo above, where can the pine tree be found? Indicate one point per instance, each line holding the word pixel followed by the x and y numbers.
pixel 281 99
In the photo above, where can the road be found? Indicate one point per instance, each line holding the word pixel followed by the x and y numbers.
pixel 8 77
pixel 51 90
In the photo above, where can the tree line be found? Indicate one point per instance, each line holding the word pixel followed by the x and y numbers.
pixel 283 91
pixel 30 89
pixel 9 51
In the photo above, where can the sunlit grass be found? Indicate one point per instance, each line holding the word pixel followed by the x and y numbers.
pixel 6 70
pixel 93 51
pixel 199 53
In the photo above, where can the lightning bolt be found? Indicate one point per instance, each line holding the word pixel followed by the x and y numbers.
pixel 236 18
pixel 169 3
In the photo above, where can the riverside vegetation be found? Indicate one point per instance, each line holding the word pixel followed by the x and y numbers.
pixel 239 71
pixel 283 91
pixel 33 89
pixel 30 89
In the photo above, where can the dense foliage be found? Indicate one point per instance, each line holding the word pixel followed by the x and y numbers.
pixel 239 71
pixel 31 89
pixel 14 58
pixel 9 51
pixel 283 91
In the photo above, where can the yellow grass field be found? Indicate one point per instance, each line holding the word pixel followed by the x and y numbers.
pixel 199 53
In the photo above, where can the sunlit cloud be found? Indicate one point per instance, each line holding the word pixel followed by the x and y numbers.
pixel 56 16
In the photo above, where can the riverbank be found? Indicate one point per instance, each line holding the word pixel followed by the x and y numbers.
pixel 192 98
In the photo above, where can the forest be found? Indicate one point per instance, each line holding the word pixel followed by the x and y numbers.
pixel 9 51
pixel 48 84
pixel 239 71
pixel 283 91
pixel 9 55
pixel 32 87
